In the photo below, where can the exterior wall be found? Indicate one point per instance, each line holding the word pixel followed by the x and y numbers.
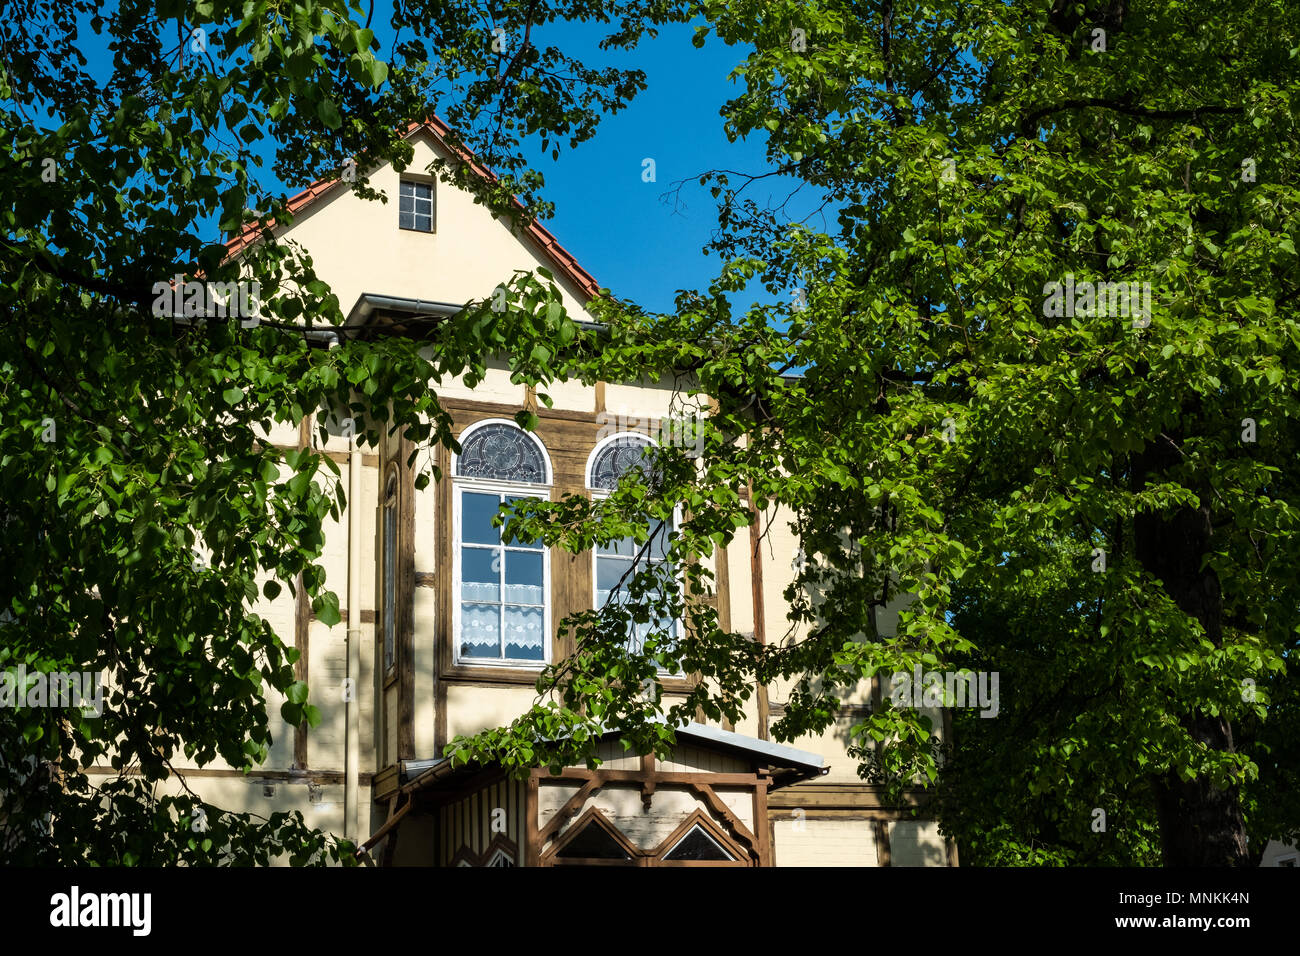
pixel 473 828
pixel 358 248
pixel 803 842
pixel 305 768
pixel 1280 854
pixel 916 843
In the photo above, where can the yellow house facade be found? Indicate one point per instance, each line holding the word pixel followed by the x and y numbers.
pixel 446 627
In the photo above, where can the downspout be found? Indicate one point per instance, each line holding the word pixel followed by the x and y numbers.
pixel 352 750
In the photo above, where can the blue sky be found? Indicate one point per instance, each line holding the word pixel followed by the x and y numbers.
pixel 624 231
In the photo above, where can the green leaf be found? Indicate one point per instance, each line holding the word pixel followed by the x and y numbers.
pixel 328 112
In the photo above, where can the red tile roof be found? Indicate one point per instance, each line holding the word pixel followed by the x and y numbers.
pixel 561 258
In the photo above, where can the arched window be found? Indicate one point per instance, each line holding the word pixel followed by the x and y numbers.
pixel 502 587
pixel 616 455
pixel 502 451
pixel 616 563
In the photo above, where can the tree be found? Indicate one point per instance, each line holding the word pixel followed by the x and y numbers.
pixel 1044 386
pixel 144 513
pixel 963 407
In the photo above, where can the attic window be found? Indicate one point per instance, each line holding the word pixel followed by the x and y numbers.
pixel 416 206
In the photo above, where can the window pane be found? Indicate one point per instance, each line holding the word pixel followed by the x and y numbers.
pixel 524 578
pixel 608 573
pixel 477 512
pixel 406 220
pixel 624 452
pixel 624 547
pixel 594 842
pixel 390 584
pixel 658 541
pixel 423 223
pixel 524 636
pixel 480 631
pixel 515 542
pixel 698 845
pixel 406 204
pixel 502 452
pixel 480 575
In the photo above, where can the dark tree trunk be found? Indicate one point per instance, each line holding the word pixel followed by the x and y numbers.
pixel 1200 824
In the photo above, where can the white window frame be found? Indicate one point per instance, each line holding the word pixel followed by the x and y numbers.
pixel 490 486
pixel 599 493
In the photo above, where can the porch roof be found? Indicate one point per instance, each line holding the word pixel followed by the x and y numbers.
pixel 789 764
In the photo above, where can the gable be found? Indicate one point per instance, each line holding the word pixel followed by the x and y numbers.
pixel 357 247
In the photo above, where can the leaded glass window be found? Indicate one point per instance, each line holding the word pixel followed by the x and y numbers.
pixel 617 562
pixel 616 457
pixel 501 452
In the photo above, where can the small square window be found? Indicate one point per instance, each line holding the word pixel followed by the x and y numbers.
pixel 415 206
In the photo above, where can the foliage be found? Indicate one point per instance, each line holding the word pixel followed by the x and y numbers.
pixel 931 418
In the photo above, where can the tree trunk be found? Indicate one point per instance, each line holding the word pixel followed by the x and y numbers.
pixel 1200 824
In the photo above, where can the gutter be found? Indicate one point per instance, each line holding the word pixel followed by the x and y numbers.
pixel 368 304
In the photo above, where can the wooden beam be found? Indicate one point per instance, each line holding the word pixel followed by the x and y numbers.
pixel 661 777
pixel 570 808
pixel 390 845
pixel 812 794
pixel 532 843
pixel 882 842
pixel 391 823
pixel 405 604
pixel 760 630
pixel 760 820
pixel 324 777
pixel 301 629
pixel 648 784
pixel 738 828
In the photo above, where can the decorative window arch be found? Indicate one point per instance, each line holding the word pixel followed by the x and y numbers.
pixel 499 450
pixel 501 605
pixel 614 455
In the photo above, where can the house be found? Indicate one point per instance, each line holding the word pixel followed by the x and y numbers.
pixel 445 627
